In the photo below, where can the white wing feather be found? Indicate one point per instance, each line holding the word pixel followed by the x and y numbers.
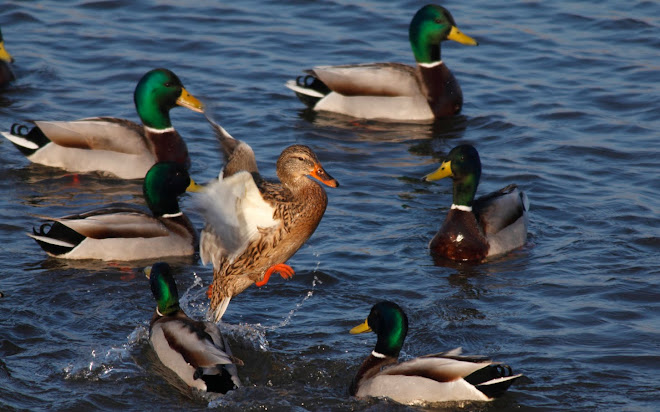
pixel 235 212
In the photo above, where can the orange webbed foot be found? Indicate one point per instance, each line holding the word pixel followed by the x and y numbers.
pixel 284 270
pixel 209 292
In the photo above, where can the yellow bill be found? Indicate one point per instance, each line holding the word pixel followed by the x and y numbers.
pixel 443 171
pixel 364 327
pixel 189 101
pixel 4 54
pixel 457 36
pixel 147 272
pixel 194 187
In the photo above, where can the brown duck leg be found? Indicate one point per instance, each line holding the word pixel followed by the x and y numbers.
pixel 285 271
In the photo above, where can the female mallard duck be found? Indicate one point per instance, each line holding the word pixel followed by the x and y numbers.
pixel 477 229
pixel 252 225
pixel 439 377
pixel 393 91
pixel 121 233
pixel 110 145
pixel 6 75
pixel 194 350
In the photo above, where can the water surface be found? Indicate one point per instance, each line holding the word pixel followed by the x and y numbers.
pixel 560 98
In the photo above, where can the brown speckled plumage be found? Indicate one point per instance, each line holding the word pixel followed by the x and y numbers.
pixel 298 204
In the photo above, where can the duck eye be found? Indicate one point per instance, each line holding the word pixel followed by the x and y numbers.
pixel 302 159
pixel 438 21
pixel 168 84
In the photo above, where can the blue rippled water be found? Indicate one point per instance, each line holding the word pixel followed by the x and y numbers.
pixel 560 97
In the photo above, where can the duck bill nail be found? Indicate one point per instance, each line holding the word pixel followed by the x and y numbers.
pixel 147 272
pixel 320 174
pixel 459 37
pixel 364 327
pixel 194 187
pixel 189 101
pixel 443 171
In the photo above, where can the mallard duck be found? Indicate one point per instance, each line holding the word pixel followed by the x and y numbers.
pixel 6 75
pixel 439 377
pixel 477 229
pixel 194 350
pixel 110 145
pixel 121 233
pixel 393 91
pixel 252 225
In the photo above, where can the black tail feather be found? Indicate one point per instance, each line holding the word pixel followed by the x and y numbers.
pixel 221 382
pixel 60 232
pixel 311 82
pixel 494 371
pixel 35 135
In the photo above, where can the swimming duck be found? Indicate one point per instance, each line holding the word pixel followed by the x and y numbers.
pixel 393 91
pixel 438 377
pixel 110 145
pixel 196 351
pixel 477 229
pixel 253 226
pixel 6 75
pixel 122 233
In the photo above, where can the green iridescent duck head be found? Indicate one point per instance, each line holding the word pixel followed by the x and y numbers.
pixel 157 92
pixel 430 26
pixel 162 186
pixel 163 288
pixel 464 167
pixel 390 324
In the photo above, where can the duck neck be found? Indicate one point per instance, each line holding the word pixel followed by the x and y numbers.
pixel 153 114
pixel 464 191
pixel 302 186
pixel 371 366
pixel 162 204
pixel 424 51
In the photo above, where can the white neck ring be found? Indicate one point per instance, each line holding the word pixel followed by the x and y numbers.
pixel 430 65
pixel 167 215
pixel 159 131
pixel 462 207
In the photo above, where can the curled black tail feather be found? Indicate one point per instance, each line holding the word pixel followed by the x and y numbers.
pixel 59 232
pixel 35 136
pixel 312 83
pixel 494 371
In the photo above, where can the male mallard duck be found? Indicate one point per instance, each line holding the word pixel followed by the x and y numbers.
pixel 476 229
pixel 6 75
pixel 252 225
pixel 121 233
pixel 110 145
pixel 393 91
pixel 194 350
pixel 439 377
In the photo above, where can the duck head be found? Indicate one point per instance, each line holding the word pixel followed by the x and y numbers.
pixel 162 186
pixel 157 92
pixel 298 161
pixel 163 288
pixel 430 26
pixel 464 167
pixel 390 324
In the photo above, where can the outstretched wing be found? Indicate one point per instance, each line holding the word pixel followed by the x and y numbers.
pixel 235 214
